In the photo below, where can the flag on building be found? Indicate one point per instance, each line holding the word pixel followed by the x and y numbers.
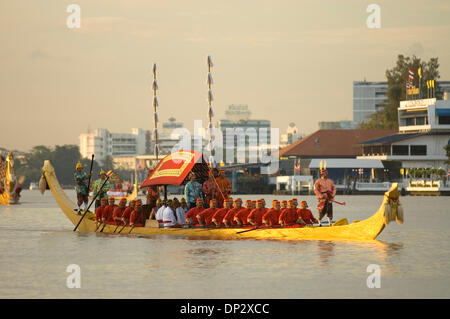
pixel 419 72
pixel 411 75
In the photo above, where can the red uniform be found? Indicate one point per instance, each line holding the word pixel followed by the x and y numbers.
pixel 242 215
pixel 126 214
pixel 256 215
pixel 192 214
pixel 206 215
pixel 229 216
pixel 135 218
pixel 117 213
pixel 306 215
pixel 99 213
pixel 288 216
pixel 272 216
pixel 108 212
pixel 219 215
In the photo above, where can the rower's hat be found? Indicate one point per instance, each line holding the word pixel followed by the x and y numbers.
pixel 294 200
pixel 274 202
pixel 79 165
pixel 103 199
pixel 323 171
pixel 238 200
pixel 111 199
pixel 303 203
pixel 138 202
pixel 123 200
pixel 198 200
pixel 248 202
pixel 228 200
pixel 132 202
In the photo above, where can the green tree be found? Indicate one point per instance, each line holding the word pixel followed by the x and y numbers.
pixel 387 117
pixel 447 150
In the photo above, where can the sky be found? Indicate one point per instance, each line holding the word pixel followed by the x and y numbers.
pixel 288 60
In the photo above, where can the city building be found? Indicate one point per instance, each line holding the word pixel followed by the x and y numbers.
pixel 368 97
pixel 103 143
pixel 292 135
pixel 337 150
pixel 239 130
pixel 424 131
pixel 337 125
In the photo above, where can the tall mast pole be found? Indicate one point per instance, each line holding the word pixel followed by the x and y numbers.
pixel 155 114
pixel 210 113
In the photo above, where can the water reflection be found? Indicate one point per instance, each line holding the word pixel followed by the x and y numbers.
pixel 325 251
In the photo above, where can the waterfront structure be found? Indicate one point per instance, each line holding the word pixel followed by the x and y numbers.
pixel 424 131
pixel 339 149
pixel 368 97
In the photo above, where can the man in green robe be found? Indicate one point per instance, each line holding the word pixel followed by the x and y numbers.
pixel 98 189
pixel 81 187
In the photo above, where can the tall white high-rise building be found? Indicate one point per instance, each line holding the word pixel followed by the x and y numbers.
pixel 103 143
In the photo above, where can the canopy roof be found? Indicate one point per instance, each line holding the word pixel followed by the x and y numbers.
pixel 346 163
pixel 174 169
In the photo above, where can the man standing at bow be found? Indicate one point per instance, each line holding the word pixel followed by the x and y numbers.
pixel 325 191
pixel 81 181
pixel 98 189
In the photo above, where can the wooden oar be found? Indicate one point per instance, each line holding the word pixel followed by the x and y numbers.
pixel 124 225
pixel 117 226
pixel 89 182
pixel 131 229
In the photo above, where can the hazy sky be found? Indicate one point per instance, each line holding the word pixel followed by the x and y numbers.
pixel 287 60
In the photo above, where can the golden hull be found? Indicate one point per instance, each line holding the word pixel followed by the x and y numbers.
pixel 367 229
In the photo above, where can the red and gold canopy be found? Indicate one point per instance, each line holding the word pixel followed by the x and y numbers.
pixel 174 168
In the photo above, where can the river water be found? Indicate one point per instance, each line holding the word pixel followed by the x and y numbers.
pixel 37 244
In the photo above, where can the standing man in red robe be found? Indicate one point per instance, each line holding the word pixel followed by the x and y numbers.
pixel 325 191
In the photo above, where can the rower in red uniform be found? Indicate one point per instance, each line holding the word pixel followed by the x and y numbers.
pixel 305 214
pixel 270 218
pixel 218 216
pixel 136 214
pixel 191 215
pixel 240 218
pixel 255 216
pixel 283 205
pixel 118 211
pixel 99 210
pixel 289 216
pixel 127 212
pixel 108 211
pixel 205 217
pixel 228 219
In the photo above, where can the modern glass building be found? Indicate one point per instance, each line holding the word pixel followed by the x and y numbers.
pixel 368 98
